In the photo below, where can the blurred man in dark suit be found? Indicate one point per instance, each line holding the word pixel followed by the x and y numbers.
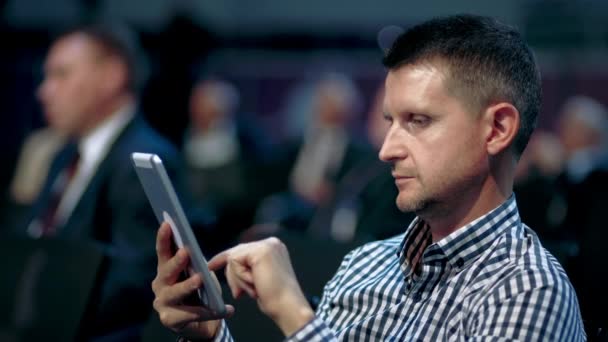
pixel 583 131
pixel 228 159
pixel 361 197
pixel 312 165
pixel 92 192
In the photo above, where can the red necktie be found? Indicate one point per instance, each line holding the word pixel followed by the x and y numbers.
pixel 48 219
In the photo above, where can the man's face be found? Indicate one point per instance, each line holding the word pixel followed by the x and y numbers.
pixel 205 107
pixel 434 142
pixel 574 134
pixel 73 84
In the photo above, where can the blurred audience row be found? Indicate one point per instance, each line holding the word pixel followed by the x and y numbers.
pixel 75 181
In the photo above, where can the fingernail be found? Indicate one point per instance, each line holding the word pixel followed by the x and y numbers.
pixel 180 257
pixel 196 283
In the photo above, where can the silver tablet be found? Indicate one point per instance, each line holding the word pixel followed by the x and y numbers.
pixel 164 201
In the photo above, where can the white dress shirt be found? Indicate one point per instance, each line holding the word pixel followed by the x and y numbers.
pixel 93 148
pixel 319 157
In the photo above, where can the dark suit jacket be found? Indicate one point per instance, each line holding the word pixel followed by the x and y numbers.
pixel 355 152
pixel 297 213
pixel 586 220
pixel 114 212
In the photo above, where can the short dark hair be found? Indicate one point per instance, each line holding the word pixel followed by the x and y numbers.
pixel 119 41
pixel 486 61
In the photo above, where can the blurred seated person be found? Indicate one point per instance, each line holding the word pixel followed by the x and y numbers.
pixel 358 209
pixel 541 204
pixel 37 152
pixel 315 163
pixel 583 131
pixel 32 166
pixel 89 94
pixel 226 157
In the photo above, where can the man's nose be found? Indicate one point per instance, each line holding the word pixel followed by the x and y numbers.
pixel 393 147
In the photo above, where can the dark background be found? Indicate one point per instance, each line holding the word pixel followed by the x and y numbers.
pixel 270 48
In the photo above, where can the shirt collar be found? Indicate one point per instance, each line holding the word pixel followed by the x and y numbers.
pixel 464 245
pixel 93 145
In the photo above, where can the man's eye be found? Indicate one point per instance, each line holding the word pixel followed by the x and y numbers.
pixel 419 120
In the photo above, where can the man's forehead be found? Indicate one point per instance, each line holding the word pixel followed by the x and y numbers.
pixel 74 41
pixel 413 81
pixel 423 69
pixel 75 46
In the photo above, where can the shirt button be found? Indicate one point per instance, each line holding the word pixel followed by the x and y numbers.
pixel 459 263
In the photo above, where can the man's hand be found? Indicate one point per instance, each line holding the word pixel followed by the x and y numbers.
pixel 192 322
pixel 262 270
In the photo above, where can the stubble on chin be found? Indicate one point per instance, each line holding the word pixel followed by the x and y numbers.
pixel 415 205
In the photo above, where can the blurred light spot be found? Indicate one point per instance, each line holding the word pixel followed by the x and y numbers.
pixel 387 36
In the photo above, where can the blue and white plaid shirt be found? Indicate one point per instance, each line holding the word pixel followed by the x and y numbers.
pixel 489 280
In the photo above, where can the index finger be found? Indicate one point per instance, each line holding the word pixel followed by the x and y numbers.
pixel 163 243
pixel 218 261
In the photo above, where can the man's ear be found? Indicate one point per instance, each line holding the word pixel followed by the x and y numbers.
pixel 115 73
pixel 503 121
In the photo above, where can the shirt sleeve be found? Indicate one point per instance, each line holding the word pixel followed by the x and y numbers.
pixel 223 334
pixel 315 330
pixel 528 308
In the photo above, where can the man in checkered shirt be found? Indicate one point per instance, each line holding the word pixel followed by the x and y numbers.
pixel 462 97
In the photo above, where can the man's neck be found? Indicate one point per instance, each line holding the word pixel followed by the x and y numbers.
pixel 444 225
pixel 469 205
pixel 95 144
pixel 105 111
